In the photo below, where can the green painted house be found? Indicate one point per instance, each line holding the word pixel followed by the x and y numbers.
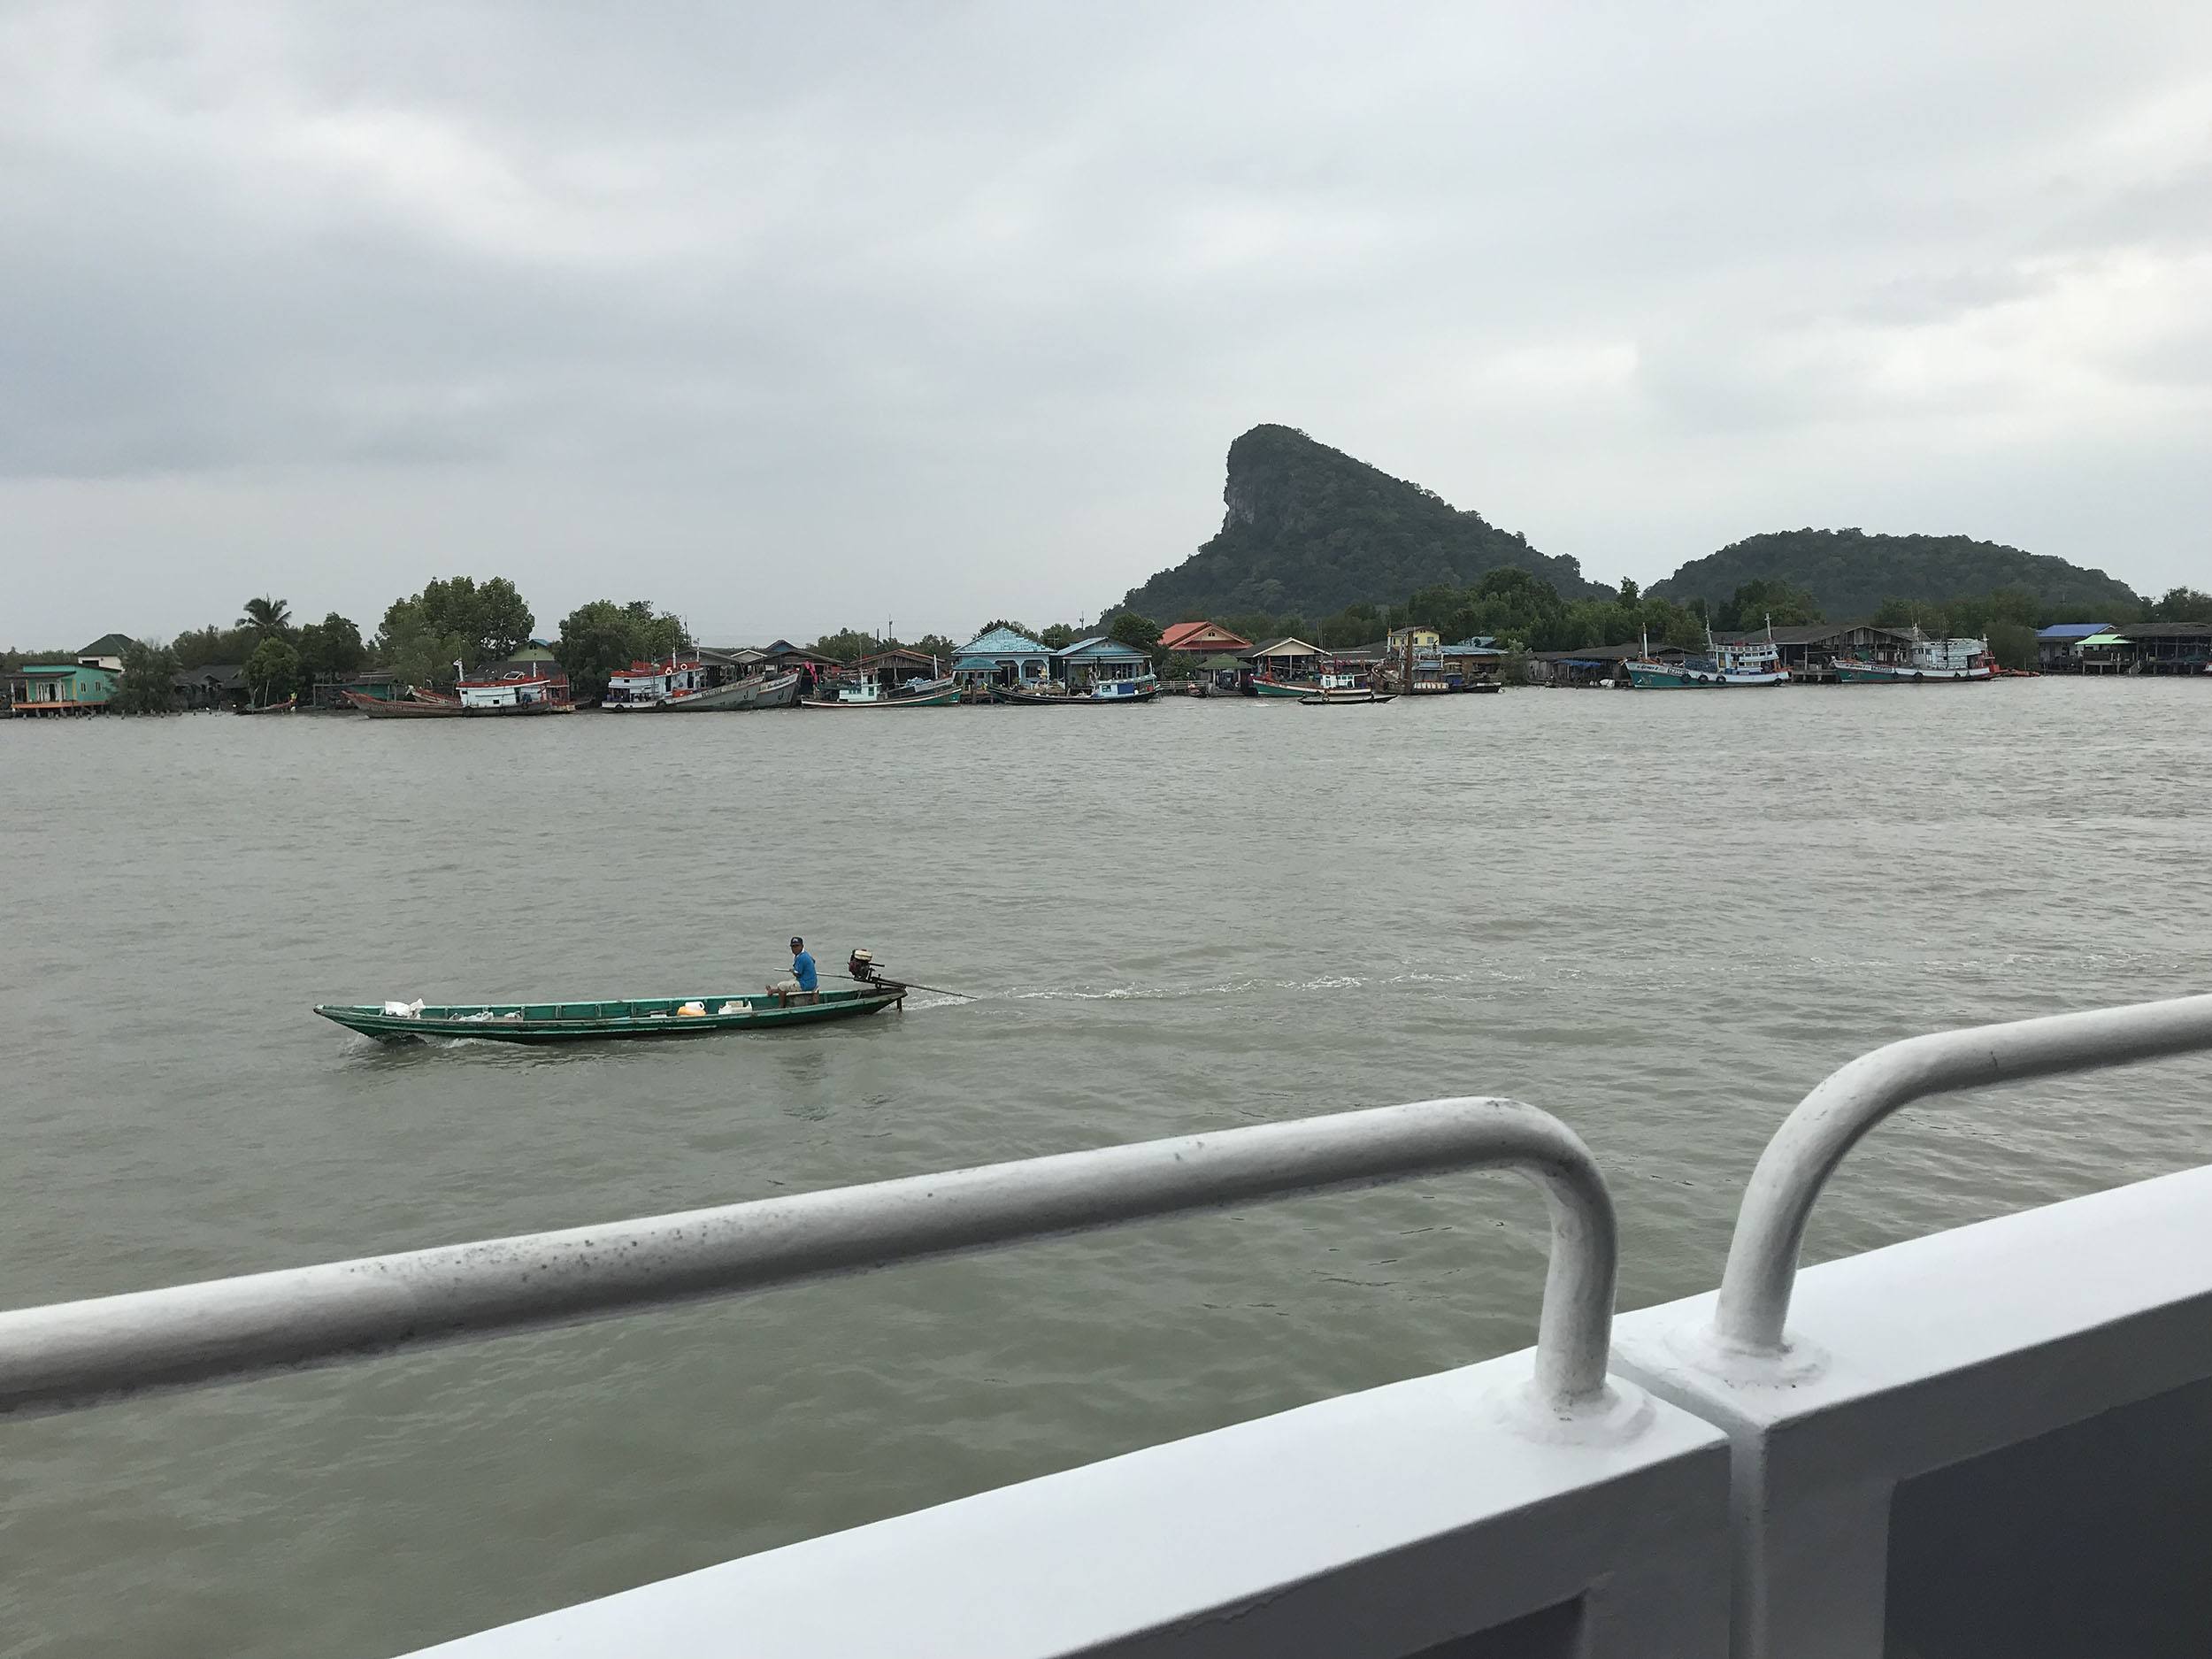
pixel 52 688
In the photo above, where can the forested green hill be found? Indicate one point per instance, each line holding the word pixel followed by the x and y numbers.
pixel 1849 573
pixel 1310 530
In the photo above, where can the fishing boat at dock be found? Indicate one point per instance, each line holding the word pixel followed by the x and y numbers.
pixel 868 693
pixel 1743 662
pixel 1136 688
pixel 1053 693
pixel 1034 694
pixel 516 693
pixel 646 686
pixel 592 1020
pixel 412 710
pixel 758 691
pixel 1339 688
pixel 1929 662
pixel 1263 686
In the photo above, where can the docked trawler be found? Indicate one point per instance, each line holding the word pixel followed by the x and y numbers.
pixel 1344 687
pixel 522 691
pixel 754 691
pixel 1752 663
pixel 650 685
pixel 511 691
pixel 1928 660
pixel 869 694
pixel 1413 662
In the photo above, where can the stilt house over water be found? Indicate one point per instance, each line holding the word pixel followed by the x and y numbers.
pixel 1285 658
pixel 2058 647
pixel 1097 659
pixel 1001 657
pixel 2136 647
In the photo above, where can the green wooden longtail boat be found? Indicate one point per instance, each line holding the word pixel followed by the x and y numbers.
pixel 582 1021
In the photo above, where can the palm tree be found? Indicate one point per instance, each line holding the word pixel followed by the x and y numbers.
pixel 269 619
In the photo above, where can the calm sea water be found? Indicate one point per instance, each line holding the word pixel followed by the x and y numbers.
pixel 1663 918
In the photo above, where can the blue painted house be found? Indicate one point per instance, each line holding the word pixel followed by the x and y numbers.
pixel 1097 659
pixel 1001 657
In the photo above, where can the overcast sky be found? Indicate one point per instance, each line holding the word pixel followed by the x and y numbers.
pixel 790 316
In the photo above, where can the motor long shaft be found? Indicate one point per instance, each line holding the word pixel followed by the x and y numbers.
pixel 935 990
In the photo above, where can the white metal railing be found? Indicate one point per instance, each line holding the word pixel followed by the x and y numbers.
pixel 1754 1291
pixel 78 1353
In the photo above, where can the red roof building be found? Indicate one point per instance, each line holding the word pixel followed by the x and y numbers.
pixel 1203 639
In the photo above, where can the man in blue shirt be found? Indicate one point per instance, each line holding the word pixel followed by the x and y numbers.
pixel 802 974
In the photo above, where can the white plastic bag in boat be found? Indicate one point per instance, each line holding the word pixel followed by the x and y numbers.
pixel 405 1010
pixel 733 1008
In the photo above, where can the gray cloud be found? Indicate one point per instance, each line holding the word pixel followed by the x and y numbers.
pixel 792 316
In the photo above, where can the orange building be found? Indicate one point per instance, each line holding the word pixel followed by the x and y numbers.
pixel 1203 638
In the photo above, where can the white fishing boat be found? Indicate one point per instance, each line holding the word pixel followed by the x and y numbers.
pixel 869 694
pixel 650 685
pixel 518 690
pixel 491 697
pixel 1743 662
pixel 1927 661
pixel 1136 688
pixel 1344 687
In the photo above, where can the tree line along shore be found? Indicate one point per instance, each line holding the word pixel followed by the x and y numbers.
pixel 429 639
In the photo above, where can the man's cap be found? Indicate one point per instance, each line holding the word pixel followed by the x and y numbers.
pixel 796 941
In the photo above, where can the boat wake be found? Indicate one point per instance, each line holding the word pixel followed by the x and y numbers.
pixel 1240 987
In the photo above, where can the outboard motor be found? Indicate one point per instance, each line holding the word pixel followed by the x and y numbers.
pixel 863 967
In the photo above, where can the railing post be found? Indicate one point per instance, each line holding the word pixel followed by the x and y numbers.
pixel 1755 1292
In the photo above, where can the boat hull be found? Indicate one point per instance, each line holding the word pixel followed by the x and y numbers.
pixel 780 692
pixel 1901 674
pixel 1663 677
pixel 1328 699
pixel 1279 688
pixel 942 699
pixel 455 712
pixel 1021 698
pixel 613 1018
pixel 1141 690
